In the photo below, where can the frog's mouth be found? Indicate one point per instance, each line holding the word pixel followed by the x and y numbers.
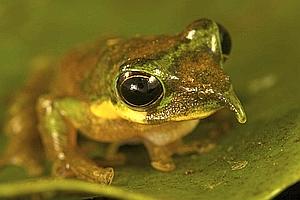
pixel 231 101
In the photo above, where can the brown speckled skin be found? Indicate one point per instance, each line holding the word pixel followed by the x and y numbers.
pixel 109 54
pixel 189 66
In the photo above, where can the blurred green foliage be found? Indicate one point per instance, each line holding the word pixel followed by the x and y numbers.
pixel 253 161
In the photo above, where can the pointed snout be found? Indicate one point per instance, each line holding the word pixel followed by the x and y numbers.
pixel 233 103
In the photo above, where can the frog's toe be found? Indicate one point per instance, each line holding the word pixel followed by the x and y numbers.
pixel 91 173
pixel 96 175
pixel 104 175
pixel 165 166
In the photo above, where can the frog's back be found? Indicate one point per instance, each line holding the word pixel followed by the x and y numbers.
pixel 74 67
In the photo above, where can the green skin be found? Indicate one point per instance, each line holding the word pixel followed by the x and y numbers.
pixel 84 84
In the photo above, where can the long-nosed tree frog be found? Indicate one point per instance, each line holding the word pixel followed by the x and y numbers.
pixel 152 90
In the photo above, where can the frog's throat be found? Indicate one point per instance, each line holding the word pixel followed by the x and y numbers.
pixel 233 103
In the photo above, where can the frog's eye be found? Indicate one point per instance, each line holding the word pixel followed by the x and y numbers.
pixel 225 41
pixel 139 89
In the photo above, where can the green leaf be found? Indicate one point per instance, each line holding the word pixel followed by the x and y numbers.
pixel 253 161
pixel 66 185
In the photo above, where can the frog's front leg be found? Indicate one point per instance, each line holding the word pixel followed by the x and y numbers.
pixel 59 120
pixel 160 156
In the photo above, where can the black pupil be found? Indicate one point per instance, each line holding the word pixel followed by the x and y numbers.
pixel 140 90
pixel 225 40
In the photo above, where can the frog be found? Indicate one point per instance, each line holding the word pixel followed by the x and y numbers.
pixel 152 90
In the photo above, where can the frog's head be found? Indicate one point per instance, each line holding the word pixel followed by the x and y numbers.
pixel 183 82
